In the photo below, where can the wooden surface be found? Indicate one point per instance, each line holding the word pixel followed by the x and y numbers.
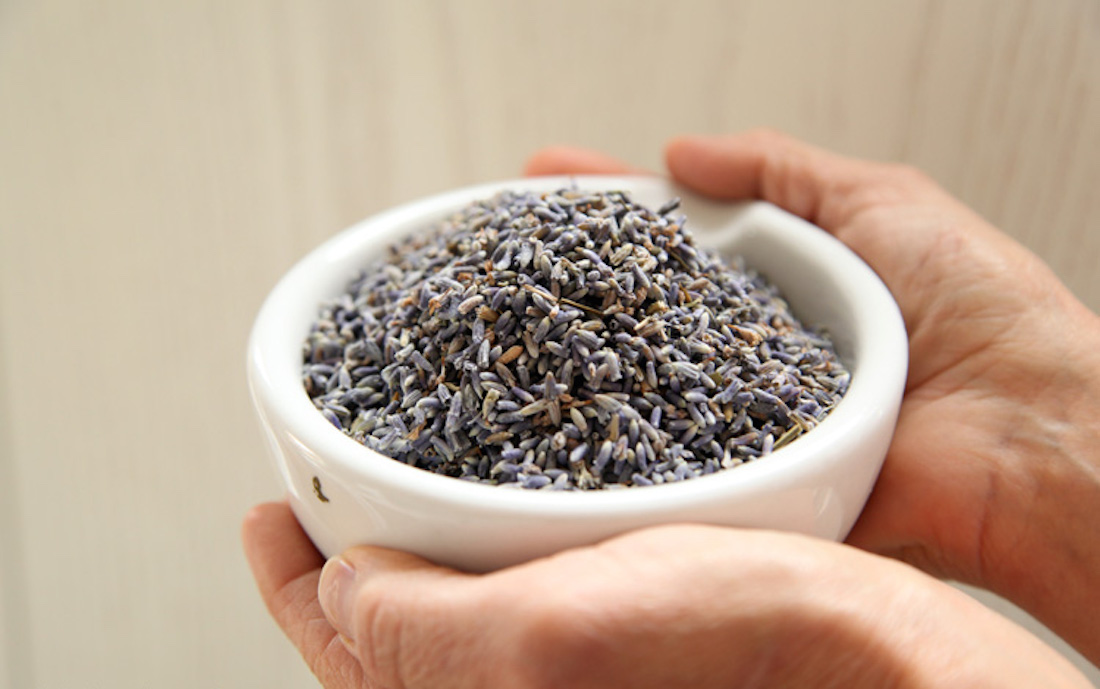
pixel 162 163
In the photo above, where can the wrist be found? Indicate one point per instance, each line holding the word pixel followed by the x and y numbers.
pixel 976 647
pixel 907 630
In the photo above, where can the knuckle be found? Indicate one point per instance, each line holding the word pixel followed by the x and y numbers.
pixel 426 638
pixel 331 664
pixel 906 176
pixel 559 643
pixel 379 628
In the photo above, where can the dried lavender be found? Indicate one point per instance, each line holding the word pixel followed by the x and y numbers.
pixel 569 340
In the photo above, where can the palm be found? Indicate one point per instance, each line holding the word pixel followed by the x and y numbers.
pixel 943 472
pixel 969 307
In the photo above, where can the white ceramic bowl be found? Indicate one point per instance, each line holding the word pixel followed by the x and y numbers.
pixel 345 494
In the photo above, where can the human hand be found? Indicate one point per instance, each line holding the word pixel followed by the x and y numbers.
pixel 677 606
pixel 993 476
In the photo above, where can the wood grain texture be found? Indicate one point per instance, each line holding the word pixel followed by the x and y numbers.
pixel 161 164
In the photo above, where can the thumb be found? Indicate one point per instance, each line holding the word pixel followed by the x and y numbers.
pixel 394 611
pixel 808 181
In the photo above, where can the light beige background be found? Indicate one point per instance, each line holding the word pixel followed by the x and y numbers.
pixel 162 163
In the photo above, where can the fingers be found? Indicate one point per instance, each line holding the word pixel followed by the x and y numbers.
pixel 277 549
pixel 613 615
pixel 287 567
pixel 807 181
pixel 568 160
pixel 411 623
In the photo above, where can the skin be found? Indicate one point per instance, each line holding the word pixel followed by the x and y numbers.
pixel 993 478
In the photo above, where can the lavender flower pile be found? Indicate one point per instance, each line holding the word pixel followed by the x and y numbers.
pixel 569 340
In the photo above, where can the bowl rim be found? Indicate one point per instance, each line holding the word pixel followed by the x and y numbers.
pixel 280 398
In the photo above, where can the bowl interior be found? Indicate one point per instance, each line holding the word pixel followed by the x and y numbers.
pixel 826 285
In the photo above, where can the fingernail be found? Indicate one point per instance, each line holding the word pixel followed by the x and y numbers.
pixel 337 589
